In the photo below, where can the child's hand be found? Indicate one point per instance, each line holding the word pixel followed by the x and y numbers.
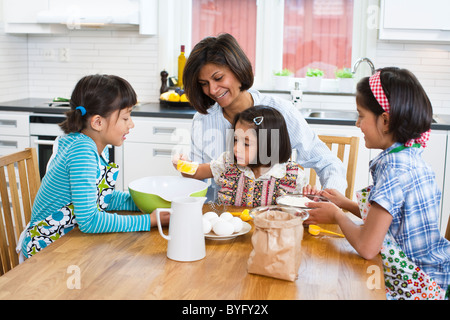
pixel 322 212
pixel 308 189
pixel 163 215
pixel 334 196
pixel 176 157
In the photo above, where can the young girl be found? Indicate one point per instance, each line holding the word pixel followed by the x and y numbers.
pixel 259 171
pixel 79 184
pixel 401 209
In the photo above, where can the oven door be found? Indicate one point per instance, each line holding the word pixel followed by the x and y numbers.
pixel 44 149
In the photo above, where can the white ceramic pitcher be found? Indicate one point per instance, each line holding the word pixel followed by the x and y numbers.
pixel 186 237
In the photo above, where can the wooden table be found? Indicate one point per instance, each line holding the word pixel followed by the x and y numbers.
pixel 134 266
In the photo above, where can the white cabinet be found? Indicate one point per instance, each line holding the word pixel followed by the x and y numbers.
pixel 415 20
pixel 14 132
pixel 60 16
pixel 150 146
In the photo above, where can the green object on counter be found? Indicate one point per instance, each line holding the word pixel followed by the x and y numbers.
pixel 59 99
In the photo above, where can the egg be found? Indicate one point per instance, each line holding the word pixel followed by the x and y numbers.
pixel 223 228
pixel 206 226
pixel 237 224
pixel 210 215
pixel 226 215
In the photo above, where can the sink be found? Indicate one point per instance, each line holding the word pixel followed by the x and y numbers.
pixel 328 114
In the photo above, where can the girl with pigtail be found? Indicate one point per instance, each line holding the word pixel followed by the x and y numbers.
pixel 78 186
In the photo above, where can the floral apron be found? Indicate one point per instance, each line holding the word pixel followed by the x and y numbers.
pixel 404 280
pixel 45 232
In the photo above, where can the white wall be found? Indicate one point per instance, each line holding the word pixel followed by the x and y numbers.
pixel 13 64
pixel 430 63
pixel 123 53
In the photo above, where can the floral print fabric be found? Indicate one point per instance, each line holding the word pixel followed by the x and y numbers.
pixel 239 190
pixel 404 280
pixel 62 221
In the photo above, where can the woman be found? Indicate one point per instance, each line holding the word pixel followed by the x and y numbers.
pixel 218 78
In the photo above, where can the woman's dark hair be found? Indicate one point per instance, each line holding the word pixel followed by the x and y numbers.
pixel 411 112
pixel 264 120
pixel 222 50
pixel 99 95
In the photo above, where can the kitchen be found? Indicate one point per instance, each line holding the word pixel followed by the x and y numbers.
pixel 46 65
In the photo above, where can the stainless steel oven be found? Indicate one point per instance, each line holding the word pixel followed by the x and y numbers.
pixel 44 129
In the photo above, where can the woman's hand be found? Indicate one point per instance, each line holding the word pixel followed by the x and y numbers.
pixel 163 215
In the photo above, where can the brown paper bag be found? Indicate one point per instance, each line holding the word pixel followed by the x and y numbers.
pixel 276 245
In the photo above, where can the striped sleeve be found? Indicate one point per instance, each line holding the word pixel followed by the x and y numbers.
pixel 82 167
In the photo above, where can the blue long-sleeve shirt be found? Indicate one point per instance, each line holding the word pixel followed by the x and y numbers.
pixel 71 177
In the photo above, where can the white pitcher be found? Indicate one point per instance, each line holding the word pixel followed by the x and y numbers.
pixel 186 237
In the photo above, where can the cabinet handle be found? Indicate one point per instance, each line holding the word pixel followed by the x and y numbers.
pixel 44 142
pixel 8 123
pixel 162 130
pixel 9 144
pixel 162 153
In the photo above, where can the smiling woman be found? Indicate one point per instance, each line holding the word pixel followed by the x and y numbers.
pixel 218 77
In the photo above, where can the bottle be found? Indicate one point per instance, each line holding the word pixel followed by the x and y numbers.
pixel 296 96
pixel 181 63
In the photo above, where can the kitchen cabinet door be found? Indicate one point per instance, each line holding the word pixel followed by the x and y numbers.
pixel 149 159
pixel 415 20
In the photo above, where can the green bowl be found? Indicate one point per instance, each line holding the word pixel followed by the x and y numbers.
pixel 154 192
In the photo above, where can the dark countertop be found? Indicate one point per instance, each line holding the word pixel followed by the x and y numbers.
pixel 156 110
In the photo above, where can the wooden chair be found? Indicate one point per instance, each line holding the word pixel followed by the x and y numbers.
pixel 18 189
pixel 341 143
pixel 447 233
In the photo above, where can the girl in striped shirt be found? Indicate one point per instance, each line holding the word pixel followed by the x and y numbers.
pixel 78 187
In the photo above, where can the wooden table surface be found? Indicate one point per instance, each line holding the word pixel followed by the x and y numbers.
pixel 135 266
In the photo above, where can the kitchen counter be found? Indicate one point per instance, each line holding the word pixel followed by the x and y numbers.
pixel 156 110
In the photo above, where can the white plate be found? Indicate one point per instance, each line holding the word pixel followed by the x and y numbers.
pixel 246 227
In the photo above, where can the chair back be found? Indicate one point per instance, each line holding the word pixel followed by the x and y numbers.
pixel 342 142
pixel 447 233
pixel 19 184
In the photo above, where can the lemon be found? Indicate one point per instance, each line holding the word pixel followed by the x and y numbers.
pixel 187 167
pixel 184 98
pixel 245 215
pixel 165 96
pixel 175 97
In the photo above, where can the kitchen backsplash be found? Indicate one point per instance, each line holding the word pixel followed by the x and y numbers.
pixel 50 65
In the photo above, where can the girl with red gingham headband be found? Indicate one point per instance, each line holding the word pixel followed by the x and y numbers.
pixel 400 210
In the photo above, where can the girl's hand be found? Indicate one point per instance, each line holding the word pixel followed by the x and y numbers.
pixel 341 201
pixel 308 189
pixel 334 196
pixel 176 157
pixel 163 215
pixel 322 212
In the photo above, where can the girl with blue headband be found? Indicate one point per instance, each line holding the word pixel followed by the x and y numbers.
pixel 78 186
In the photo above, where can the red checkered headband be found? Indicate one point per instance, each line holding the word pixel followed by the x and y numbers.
pixel 378 92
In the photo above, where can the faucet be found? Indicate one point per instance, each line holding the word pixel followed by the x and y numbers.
pixel 358 62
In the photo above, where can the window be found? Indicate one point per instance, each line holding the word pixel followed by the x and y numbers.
pixel 292 34
pixel 317 34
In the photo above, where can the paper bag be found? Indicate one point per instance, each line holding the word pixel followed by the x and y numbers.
pixel 276 245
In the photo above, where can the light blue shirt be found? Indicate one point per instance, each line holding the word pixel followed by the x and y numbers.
pixel 208 141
